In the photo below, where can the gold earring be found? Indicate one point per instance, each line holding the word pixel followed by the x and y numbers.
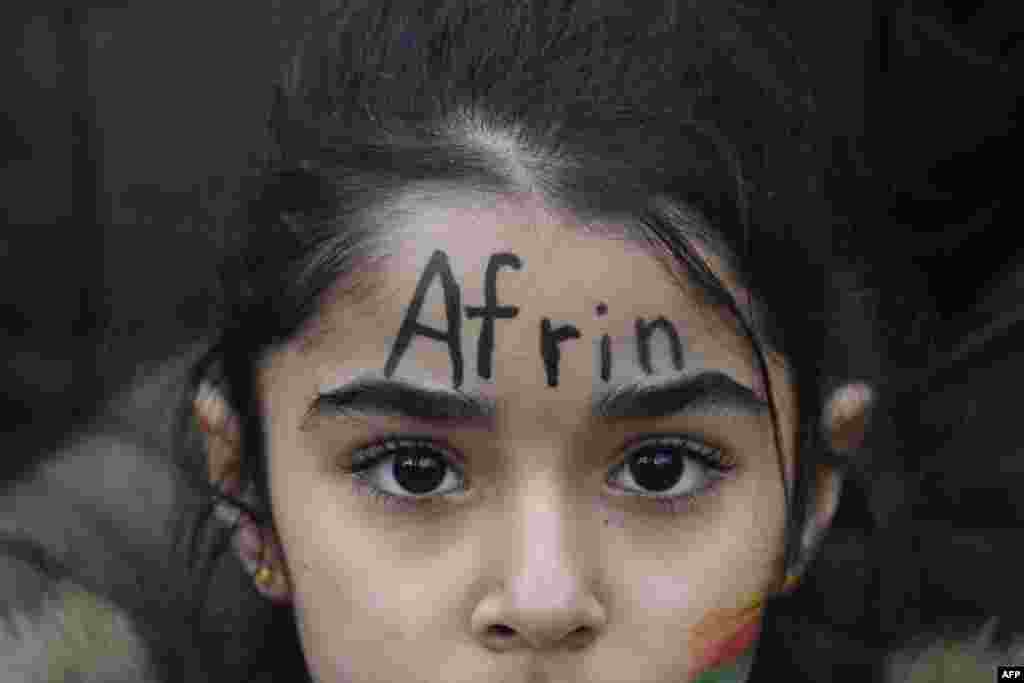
pixel 791 582
pixel 264 576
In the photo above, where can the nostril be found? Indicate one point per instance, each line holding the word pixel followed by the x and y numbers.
pixel 580 637
pixel 501 630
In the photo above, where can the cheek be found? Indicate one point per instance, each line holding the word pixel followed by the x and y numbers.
pixel 346 615
pixel 667 593
pixel 723 644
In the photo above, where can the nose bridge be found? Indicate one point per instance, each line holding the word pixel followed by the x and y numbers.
pixel 547 558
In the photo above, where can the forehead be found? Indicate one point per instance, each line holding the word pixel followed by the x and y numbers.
pixel 589 277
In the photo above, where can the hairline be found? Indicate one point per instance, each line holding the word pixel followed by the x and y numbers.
pixel 363 279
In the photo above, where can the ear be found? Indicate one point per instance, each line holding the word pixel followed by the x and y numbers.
pixel 845 417
pixel 844 423
pixel 257 547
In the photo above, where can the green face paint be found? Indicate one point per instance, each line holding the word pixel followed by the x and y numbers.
pixel 736 671
pixel 728 674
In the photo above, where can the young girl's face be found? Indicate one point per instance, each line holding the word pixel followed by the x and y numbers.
pixel 573 504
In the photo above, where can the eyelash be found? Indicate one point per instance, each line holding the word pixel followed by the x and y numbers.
pixel 713 461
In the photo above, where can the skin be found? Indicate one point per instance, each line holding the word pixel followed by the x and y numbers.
pixel 541 570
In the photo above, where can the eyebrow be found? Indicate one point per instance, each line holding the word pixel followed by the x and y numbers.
pixel 656 397
pixel 644 398
pixel 378 395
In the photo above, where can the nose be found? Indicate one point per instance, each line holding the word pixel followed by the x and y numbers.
pixel 539 620
pixel 545 601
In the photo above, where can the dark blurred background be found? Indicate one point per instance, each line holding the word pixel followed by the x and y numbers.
pixel 124 123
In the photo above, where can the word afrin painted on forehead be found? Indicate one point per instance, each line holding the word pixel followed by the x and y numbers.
pixel 551 338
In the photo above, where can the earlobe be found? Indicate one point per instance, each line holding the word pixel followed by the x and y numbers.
pixel 261 555
pixel 829 491
pixel 826 502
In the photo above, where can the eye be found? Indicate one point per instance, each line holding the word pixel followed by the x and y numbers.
pixel 406 468
pixel 670 467
pixel 418 471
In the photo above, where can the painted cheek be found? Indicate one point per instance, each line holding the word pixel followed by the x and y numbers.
pixel 723 656
pixel 731 636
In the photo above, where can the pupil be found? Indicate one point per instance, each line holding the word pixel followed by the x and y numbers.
pixel 656 470
pixel 419 472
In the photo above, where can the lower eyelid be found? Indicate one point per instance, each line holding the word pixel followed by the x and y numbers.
pixel 365 488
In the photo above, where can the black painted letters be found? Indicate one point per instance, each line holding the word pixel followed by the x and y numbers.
pixel 644 330
pixel 549 351
pixel 550 337
pixel 491 310
pixel 438 265
pixel 606 346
